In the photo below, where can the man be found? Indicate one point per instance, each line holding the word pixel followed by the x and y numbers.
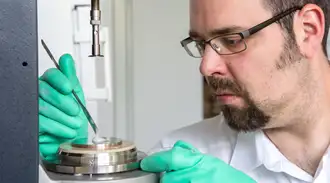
pixel 267 64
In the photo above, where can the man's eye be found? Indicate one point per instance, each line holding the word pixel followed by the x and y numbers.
pixel 229 42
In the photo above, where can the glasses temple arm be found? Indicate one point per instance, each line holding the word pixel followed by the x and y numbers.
pixel 269 21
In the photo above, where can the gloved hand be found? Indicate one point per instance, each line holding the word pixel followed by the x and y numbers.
pixel 184 163
pixel 60 117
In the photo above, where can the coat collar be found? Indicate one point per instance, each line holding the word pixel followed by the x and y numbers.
pixel 254 149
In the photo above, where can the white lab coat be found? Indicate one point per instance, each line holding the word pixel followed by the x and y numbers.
pixel 252 153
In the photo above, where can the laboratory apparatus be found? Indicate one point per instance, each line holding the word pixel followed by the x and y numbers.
pixel 82 160
pixel 110 161
pixel 100 159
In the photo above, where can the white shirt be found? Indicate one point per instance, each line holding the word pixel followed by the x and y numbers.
pixel 252 153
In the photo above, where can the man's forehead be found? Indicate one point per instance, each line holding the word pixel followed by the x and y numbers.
pixel 223 16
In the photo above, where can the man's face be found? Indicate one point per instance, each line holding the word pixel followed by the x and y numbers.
pixel 256 85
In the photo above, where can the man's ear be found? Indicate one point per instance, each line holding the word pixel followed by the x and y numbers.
pixel 309 26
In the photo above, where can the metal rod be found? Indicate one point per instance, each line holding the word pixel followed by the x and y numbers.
pixel 95 4
pixel 87 114
pixel 95 15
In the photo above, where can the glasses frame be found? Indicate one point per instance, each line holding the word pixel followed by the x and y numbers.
pixel 244 34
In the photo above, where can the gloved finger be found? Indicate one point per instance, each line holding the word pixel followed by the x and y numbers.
pixel 47 125
pixel 48 139
pixel 51 158
pixel 206 174
pixel 55 114
pixel 186 176
pixel 208 169
pixel 186 145
pixel 48 149
pixel 65 103
pixel 172 160
pixel 57 80
pixel 67 67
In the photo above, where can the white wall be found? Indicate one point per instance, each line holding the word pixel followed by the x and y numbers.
pixel 167 83
pixel 163 83
pixel 57 33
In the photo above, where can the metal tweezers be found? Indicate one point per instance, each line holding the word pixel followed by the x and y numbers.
pixel 89 117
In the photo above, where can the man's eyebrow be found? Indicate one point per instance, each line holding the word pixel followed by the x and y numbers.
pixel 226 30
pixel 216 32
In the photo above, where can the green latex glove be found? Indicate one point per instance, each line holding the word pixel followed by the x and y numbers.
pixel 60 117
pixel 185 164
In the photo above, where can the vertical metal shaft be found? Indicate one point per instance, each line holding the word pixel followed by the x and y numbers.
pixel 95 15
pixel 95 5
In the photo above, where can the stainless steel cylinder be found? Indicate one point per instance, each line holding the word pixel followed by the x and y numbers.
pixel 96 46
pixel 95 4
pixel 79 157
pixel 136 176
pixel 113 161
pixel 95 21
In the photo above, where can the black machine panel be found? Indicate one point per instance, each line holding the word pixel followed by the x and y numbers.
pixel 19 156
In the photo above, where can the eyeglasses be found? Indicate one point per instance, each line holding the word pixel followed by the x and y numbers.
pixel 231 43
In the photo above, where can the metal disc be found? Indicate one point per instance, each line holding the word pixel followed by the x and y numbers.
pixel 107 143
pixel 80 146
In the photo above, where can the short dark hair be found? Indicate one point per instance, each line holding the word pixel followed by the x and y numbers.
pixel 277 6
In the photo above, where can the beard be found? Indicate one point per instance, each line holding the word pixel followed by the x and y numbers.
pixel 252 117
pixel 248 118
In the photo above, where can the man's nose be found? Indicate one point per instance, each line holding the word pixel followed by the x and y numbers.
pixel 212 63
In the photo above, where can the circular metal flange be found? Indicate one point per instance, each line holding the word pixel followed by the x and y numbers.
pixel 80 158
pixel 136 176
pixel 56 166
pixel 102 158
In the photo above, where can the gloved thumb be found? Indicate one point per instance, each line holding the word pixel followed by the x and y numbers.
pixel 67 66
pixel 181 156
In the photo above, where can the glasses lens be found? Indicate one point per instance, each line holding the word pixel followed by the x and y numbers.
pixel 228 44
pixel 195 49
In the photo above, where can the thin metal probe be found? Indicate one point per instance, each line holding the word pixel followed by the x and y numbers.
pixel 89 117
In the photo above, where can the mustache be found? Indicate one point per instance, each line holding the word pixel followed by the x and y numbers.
pixel 222 84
